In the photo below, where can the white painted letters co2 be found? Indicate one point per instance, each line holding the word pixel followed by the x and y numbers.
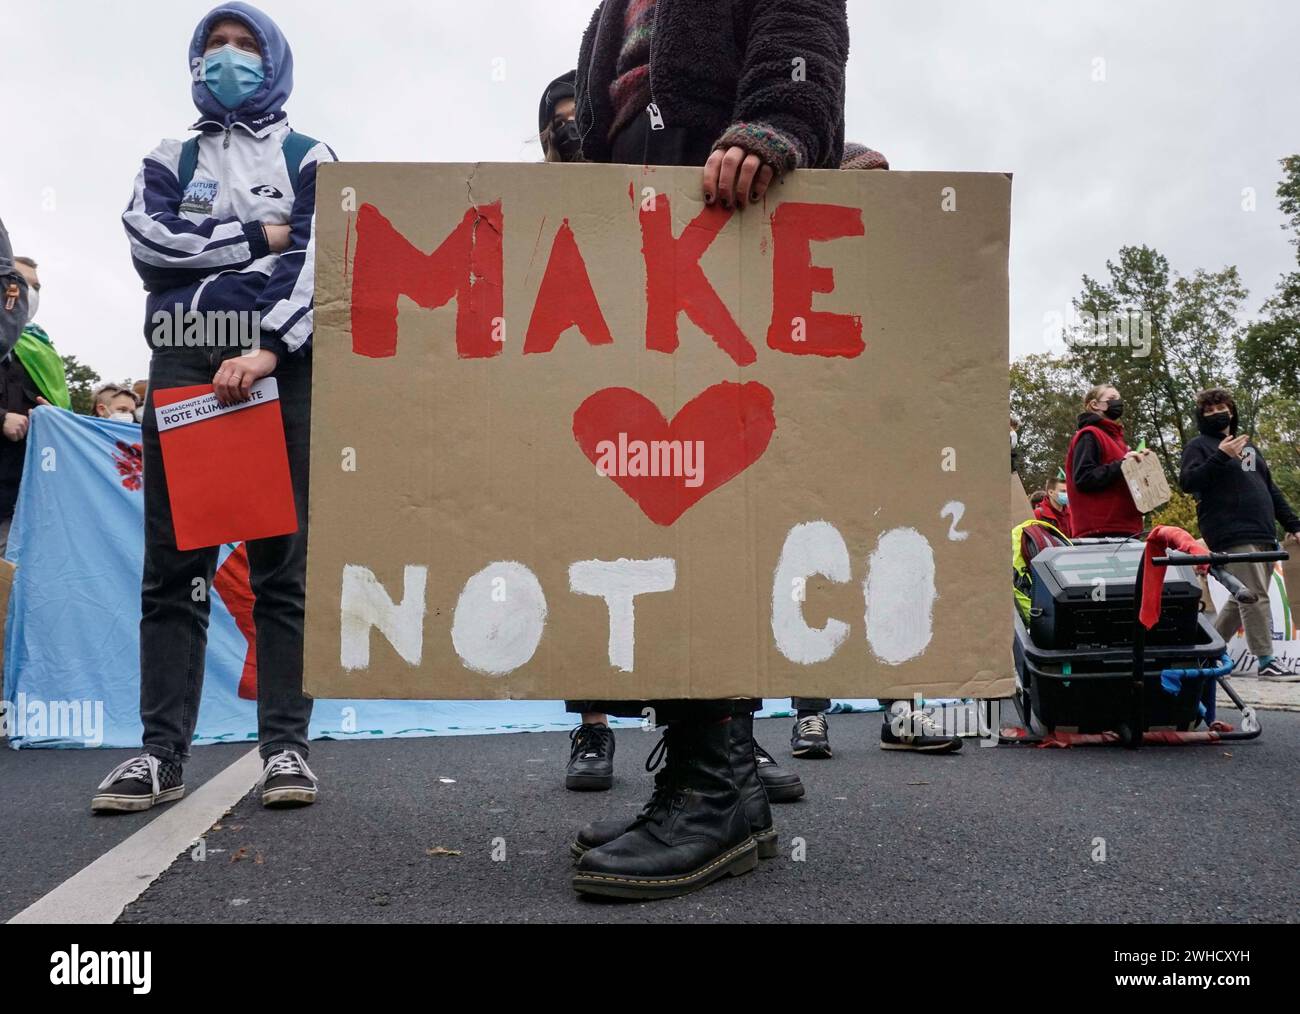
pixel 500 616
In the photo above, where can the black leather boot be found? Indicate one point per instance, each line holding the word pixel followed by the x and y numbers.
pixel 753 798
pixel 692 832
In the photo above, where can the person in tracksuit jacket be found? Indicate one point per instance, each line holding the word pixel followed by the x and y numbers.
pixel 225 224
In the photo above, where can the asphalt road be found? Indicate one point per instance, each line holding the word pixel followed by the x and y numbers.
pixel 404 831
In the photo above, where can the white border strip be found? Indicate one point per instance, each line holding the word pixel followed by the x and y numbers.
pixel 99 893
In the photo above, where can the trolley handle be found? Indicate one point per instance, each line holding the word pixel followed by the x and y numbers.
pixel 1174 559
pixel 1238 591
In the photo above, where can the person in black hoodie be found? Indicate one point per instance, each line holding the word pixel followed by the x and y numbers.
pixel 1238 508
pixel 748 90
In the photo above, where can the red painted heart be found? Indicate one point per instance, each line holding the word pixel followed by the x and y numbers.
pixel 668 467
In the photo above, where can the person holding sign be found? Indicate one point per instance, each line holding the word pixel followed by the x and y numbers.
pixel 1238 508
pixel 1100 502
pixel 222 225
pixel 747 90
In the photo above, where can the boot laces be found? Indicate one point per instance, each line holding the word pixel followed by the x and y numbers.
pixel 590 740
pixel 812 725
pixel 920 723
pixel 144 768
pixel 287 763
pixel 667 780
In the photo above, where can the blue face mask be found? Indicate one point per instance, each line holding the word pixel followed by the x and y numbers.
pixel 1063 498
pixel 232 75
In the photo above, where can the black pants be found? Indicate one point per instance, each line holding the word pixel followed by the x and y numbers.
pixel 824 704
pixel 174 626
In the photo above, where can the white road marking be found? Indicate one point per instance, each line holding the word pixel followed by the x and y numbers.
pixel 99 893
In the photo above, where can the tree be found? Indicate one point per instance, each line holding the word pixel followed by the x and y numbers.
pixel 1045 396
pixel 81 383
pixel 1159 338
pixel 1270 353
pixel 1180 512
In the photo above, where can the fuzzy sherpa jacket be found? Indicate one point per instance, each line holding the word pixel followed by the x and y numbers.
pixel 735 68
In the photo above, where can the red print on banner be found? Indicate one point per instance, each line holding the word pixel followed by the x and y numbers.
pixel 731 423
pixel 129 461
pixel 232 583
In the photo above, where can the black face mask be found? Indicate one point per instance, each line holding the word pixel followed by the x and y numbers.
pixel 1215 425
pixel 566 140
pixel 1115 409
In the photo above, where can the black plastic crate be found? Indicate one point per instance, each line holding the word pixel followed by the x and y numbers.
pixel 1082 597
pixel 1094 695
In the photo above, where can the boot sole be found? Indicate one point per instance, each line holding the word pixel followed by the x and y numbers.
pixel 283 799
pixel 946 748
pixel 109 803
pixel 812 753
pixel 765 841
pixel 588 783
pixel 732 863
pixel 784 793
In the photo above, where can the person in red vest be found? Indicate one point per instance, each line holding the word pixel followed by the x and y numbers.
pixel 1054 507
pixel 1100 503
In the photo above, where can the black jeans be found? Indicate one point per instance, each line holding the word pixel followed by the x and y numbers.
pixel 824 704
pixel 174 627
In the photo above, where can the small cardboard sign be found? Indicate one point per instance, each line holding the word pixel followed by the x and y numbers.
pixel 577 434
pixel 1146 481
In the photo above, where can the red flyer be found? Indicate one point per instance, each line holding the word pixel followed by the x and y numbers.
pixel 226 466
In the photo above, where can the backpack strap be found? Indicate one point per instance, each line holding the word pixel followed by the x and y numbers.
pixel 295 148
pixel 189 161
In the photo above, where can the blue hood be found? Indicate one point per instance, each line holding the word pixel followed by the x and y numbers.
pixel 277 65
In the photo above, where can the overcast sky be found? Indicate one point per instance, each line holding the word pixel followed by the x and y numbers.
pixel 1198 102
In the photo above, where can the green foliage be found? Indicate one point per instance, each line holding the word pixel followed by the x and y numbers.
pixel 1179 511
pixel 1045 396
pixel 1198 338
pixel 1194 330
pixel 82 380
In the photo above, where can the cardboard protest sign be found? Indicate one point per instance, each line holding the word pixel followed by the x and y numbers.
pixel 1021 508
pixel 576 434
pixel 1146 482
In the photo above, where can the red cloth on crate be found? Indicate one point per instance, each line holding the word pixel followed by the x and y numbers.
pixel 1162 539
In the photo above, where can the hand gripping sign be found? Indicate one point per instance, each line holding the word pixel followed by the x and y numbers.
pixel 577 434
